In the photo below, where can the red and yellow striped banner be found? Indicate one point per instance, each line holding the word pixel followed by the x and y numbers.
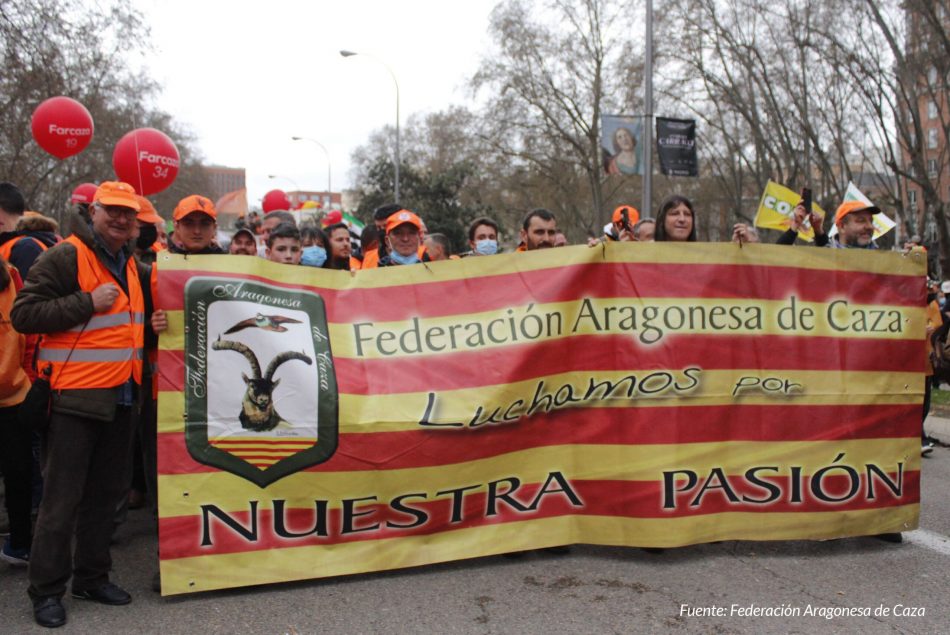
pixel 651 395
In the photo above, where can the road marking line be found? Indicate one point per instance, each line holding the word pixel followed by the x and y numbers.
pixel 929 540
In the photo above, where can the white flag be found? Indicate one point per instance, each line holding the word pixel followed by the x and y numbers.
pixel 882 224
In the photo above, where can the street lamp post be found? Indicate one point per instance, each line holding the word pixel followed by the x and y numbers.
pixel 286 178
pixel 396 84
pixel 647 204
pixel 326 152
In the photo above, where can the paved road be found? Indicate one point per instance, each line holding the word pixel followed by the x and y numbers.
pixel 592 590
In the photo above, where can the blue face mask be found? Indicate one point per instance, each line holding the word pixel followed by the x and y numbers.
pixel 313 256
pixel 487 247
pixel 399 259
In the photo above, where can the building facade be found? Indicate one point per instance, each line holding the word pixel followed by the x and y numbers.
pixel 326 200
pixel 224 180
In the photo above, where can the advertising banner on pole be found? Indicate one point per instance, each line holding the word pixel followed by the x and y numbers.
pixel 316 423
pixel 676 146
pixel 620 143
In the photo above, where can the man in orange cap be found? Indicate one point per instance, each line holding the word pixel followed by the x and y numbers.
pixel 147 244
pixel 372 257
pixel 86 298
pixel 404 238
pixel 622 222
pixel 196 224
pixel 854 220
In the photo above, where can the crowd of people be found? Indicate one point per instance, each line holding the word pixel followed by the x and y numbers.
pixel 79 331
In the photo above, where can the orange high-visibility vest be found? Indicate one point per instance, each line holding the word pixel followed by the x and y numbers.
pixel 14 383
pixel 6 249
pixel 370 259
pixel 106 351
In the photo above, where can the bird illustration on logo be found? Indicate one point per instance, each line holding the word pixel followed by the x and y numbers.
pixel 267 322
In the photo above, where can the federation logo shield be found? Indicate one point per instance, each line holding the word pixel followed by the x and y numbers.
pixel 261 397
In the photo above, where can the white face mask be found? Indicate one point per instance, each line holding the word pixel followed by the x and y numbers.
pixel 487 247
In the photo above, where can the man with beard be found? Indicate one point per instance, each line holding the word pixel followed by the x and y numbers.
pixel 340 249
pixel 538 230
pixel 855 226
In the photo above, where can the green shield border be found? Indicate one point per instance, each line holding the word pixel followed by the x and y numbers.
pixel 202 288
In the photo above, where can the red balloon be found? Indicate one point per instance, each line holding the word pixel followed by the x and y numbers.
pixel 84 193
pixel 62 126
pixel 332 218
pixel 147 160
pixel 275 200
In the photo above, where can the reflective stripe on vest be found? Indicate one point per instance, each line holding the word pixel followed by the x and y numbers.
pixel 90 355
pixel 112 319
pixel 107 351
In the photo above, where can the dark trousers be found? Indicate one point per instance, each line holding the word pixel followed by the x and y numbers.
pixel 86 465
pixel 148 435
pixel 16 462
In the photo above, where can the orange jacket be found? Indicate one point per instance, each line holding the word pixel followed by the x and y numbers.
pixel 14 384
pixel 370 259
pixel 107 350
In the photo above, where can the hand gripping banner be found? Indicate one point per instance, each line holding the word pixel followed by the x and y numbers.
pixel 316 423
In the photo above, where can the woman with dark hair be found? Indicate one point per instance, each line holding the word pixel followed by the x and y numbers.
pixel 675 221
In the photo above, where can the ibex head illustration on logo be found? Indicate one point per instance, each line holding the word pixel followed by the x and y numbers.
pixel 257 408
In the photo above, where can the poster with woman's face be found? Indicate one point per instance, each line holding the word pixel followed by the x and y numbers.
pixel 620 140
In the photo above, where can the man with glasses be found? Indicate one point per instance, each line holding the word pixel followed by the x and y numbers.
pixel 85 296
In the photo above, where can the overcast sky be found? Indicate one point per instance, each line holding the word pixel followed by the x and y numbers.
pixel 245 76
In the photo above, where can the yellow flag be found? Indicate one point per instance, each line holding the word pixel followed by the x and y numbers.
pixel 776 208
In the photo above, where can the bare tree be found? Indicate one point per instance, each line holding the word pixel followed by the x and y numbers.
pixel 556 68
pixel 67 47
pixel 752 73
pixel 894 58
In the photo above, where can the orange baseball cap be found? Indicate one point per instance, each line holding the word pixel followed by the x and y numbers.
pixel 632 214
pixel 192 204
pixel 116 193
pixel 402 217
pixel 147 213
pixel 849 207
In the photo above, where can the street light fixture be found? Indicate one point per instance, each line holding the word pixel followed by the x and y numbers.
pixel 286 178
pixel 326 152
pixel 346 53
